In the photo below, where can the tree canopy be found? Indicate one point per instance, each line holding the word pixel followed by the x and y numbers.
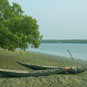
pixel 16 29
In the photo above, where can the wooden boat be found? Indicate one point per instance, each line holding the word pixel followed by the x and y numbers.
pixel 71 70
pixel 21 73
pixel 36 67
pixel 41 71
pixel 17 73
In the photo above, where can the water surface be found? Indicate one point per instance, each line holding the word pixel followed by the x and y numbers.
pixel 79 51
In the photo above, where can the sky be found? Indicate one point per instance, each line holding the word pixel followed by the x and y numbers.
pixel 58 19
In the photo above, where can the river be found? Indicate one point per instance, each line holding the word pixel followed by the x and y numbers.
pixel 79 51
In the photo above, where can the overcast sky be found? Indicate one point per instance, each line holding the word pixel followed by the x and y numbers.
pixel 58 19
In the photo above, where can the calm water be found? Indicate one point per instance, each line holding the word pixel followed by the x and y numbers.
pixel 79 51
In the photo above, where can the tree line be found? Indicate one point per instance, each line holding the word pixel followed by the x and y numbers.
pixel 65 41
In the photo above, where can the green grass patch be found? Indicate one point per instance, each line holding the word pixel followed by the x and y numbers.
pixel 8 60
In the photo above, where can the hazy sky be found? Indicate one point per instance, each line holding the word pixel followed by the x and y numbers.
pixel 58 19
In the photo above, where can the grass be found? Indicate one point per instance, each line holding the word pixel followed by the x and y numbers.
pixel 8 61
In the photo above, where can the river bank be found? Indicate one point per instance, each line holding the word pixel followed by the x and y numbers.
pixel 8 61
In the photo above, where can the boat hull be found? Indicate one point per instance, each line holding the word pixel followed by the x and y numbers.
pixel 16 73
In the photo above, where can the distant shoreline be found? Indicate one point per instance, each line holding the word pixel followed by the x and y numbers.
pixel 65 41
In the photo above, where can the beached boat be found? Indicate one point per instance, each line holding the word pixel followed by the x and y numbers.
pixel 23 73
pixel 36 67
pixel 41 71
pixel 71 70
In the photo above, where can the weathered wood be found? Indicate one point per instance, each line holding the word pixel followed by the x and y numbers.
pixel 36 67
pixel 71 70
pixel 16 73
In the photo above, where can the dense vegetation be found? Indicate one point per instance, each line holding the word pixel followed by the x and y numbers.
pixel 65 41
pixel 16 29
pixel 8 60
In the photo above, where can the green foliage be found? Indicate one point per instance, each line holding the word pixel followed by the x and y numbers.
pixel 17 30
